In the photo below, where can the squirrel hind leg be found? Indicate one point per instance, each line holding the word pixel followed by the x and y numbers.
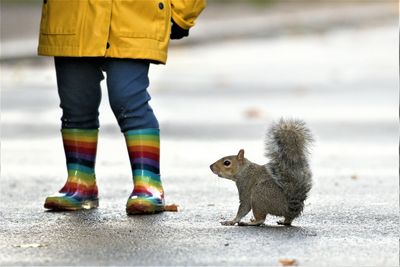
pixel 253 223
pixel 285 222
pixel 259 218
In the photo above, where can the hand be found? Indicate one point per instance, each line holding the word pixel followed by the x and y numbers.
pixel 178 32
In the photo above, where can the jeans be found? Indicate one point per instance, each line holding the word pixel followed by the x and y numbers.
pixel 78 81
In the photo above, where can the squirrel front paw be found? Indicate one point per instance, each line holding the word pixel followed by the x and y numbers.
pixel 228 223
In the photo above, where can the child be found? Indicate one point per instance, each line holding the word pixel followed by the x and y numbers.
pixel 120 38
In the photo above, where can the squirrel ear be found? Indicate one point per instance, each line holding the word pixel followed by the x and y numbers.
pixel 240 155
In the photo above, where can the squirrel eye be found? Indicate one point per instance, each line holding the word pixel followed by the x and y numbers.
pixel 227 163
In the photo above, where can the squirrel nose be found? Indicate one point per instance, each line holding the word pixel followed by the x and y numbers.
pixel 212 168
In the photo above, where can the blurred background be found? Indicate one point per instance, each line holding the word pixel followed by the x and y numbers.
pixel 333 64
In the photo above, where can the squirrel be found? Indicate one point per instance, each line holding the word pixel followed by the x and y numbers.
pixel 279 187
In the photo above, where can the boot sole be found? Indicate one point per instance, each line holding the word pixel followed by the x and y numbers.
pixel 141 208
pixel 60 205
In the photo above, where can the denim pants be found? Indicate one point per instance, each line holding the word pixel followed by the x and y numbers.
pixel 78 81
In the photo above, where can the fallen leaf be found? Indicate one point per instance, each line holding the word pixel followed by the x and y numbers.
pixel 288 262
pixel 32 245
pixel 354 177
pixel 254 113
pixel 171 207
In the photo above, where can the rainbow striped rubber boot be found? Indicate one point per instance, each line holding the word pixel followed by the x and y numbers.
pixel 144 153
pixel 80 190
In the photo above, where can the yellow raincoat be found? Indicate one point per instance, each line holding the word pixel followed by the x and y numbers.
pixel 137 29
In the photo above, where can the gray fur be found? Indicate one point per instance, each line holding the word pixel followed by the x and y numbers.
pixel 279 187
pixel 287 147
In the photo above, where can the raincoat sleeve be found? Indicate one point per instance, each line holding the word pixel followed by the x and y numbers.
pixel 185 12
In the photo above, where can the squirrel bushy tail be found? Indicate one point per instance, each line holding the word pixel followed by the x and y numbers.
pixel 287 147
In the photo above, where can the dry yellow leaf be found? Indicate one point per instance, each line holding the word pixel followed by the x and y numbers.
pixel 288 262
pixel 254 113
pixel 171 207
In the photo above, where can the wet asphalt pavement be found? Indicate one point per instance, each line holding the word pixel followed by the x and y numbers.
pixel 208 108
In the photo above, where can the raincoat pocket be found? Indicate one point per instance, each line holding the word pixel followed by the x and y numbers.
pixel 55 19
pixel 142 19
